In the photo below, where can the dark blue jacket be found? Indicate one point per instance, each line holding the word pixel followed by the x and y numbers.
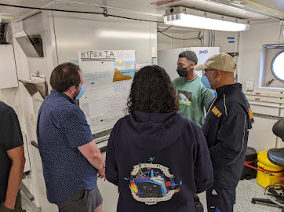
pixel 226 131
pixel 159 161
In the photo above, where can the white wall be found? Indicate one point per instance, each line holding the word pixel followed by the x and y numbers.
pixel 38 24
pixel 11 95
pixel 221 40
pixel 248 44
pixel 250 49
pixel 63 35
pixel 165 42
pixel 77 32
pixel 191 40
pixel 261 137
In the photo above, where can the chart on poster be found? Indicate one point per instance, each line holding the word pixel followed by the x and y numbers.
pixel 107 77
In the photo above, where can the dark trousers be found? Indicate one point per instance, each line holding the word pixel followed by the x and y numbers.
pixel 82 201
pixel 220 199
pixel 18 206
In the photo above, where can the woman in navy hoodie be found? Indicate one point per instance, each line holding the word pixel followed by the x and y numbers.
pixel 157 158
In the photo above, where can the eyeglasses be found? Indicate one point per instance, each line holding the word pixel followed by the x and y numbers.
pixel 206 71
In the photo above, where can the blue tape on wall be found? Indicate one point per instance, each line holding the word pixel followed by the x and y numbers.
pixel 232 38
pixel 231 41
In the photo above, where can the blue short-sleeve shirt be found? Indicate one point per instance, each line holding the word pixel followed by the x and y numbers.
pixel 61 128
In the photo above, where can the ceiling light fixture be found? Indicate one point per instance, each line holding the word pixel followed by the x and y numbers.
pixel 185 17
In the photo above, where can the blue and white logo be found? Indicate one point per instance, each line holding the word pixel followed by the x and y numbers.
pixel 203 52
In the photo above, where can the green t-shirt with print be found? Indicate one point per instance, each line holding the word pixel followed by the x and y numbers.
pixel 193 98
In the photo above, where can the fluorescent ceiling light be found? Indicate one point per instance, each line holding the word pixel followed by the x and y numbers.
pixel 204 21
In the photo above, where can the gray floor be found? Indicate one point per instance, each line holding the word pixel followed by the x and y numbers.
pixel 246 190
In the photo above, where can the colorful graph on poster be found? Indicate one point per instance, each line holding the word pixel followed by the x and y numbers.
pixel 107 76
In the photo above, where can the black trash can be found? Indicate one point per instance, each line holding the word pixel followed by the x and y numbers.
pixel 251 156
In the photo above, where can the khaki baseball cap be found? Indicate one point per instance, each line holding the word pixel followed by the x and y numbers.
pixel 222 62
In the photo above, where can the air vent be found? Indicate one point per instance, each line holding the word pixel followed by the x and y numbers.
pixel 31 44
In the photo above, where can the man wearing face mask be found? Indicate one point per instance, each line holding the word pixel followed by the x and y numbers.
pixel 225 128
pixel 193 96
pixel 70 157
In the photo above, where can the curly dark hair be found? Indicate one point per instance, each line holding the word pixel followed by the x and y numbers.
pixel 152 91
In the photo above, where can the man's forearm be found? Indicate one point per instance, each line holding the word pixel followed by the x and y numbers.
pixel 97 161
pixel 93 154
pixel 14 182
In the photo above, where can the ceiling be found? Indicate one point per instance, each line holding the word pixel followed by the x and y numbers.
pixel 252 10
pixel 274 4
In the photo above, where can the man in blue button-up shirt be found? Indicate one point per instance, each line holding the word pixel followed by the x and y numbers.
pixel 70 156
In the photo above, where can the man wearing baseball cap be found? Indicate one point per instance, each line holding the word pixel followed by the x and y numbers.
pixel 226 131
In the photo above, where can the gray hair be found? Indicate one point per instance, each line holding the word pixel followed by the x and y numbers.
pixel 189 55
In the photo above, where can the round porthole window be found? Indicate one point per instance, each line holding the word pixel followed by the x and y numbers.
pixel 278 66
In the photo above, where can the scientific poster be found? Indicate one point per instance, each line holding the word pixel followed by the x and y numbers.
pixel 107 76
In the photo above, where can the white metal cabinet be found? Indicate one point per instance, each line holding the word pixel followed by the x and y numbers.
pixel 8 74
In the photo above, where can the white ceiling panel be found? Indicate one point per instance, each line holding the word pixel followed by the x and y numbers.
pixel 12 11
pixel 274 4
pixel 270 9
pixel 154 9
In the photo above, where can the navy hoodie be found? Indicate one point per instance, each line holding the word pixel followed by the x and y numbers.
pixel 226 131
pixel 158 161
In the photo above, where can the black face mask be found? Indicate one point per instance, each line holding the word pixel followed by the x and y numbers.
pixel 182 71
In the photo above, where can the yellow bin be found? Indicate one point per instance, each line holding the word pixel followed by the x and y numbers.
pixel 264 179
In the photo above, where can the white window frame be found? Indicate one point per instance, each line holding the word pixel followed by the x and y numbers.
pixel 268 53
